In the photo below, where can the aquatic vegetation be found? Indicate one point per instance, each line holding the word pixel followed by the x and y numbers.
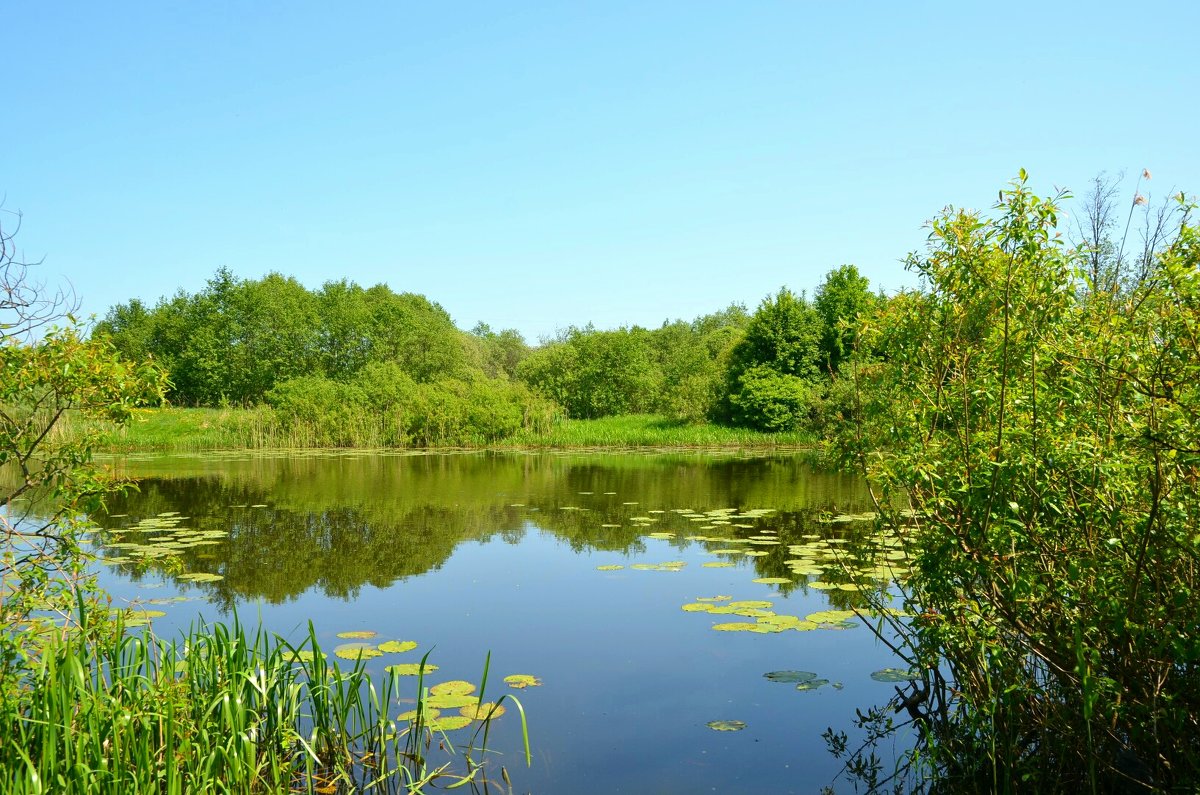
pixel 356 651
pixel 726 725
pixel 456 687
pixel 521 681
pixel 790 677
pixel 895 675
pixel 610 567
pixel 360 634
pixel 485 711
pixel 397 646
pixel 410 669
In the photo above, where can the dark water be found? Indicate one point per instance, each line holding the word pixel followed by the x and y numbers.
pixel 474 553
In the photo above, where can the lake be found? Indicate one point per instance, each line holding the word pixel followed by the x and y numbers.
pixel 591 572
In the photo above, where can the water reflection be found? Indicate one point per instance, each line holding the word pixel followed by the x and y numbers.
pixel 335 523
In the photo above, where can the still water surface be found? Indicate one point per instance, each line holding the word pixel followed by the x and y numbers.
pixel 472 553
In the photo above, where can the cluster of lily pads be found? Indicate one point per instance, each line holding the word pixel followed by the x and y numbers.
pixel 455 694
pixel 766 620
pixel 879 559
pixel 157 539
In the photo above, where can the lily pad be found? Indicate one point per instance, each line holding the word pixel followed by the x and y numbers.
pixel 610 567
pixel 736 626
pixel 761 604
pixel 201 576
pixel 411 715
pixel 488 710
pixel 718 564
pixel 356 651
pixel 717 598
pixel 397 646
pixel 726 725
pixel 448 723
pixel 697 607
pixel 456 687
pixel 790 677
pixel 304 655
pixel 409 669
pixel 452 700
pixel 773 580
pixel 895 675
pixel 812 685
pixel 522 681
pixel 358 634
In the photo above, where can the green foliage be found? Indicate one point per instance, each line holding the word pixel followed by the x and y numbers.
pixel 383 407
pixel 772 369
pixel 234 341
pixel 596 373
pixel 221 710
pixel 46 482
pixel 767 400
pixel 840 300
pixel 1048 447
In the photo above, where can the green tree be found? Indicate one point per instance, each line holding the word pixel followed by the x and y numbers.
pixel 777 360
pixel 1045 451
pixel 840 300
pixel 49 373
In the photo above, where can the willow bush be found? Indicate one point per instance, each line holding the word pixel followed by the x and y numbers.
pixel 1042 436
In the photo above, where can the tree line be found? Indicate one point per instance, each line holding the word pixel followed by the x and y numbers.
pixel 328 355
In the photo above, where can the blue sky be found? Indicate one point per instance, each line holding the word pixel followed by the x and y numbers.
pixel 537 165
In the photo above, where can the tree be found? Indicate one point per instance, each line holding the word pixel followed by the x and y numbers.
pixel 1043 452
pixel 840 300
pixel 48 374
pixel 776 361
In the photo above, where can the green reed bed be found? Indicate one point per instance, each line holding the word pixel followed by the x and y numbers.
pixel 649 430
pixel 220 710
pixel 195 430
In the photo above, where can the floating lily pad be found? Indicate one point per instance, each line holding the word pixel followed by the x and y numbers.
pixel 448 723
pixel 717 598
pixel 522 681
pixel 610 567
pixel 397 646
pixel 747 603
pixel 201 576
pixel 355 651
pixel 753 553
pixel 830 616
pixel 813 685
pixel 735 626
pixel 697 607
pixel 409 669
pixel 146 614
pixel 790 677
pixel 488 710
pixel 360 634
pixel 773 580
pixel 718 564
pixel 726 725
pixel 411 715
pixel 452 700
pixel 456 687
pixel 895 675
pixel 304 655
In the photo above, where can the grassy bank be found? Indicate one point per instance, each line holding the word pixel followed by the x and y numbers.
pixel 196 430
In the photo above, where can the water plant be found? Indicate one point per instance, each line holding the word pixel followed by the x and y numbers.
pixel 223 709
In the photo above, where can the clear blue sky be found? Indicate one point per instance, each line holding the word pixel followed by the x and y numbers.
pixel 536 165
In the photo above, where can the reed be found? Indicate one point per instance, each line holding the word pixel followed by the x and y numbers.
pixel 196 430
pixel 223 709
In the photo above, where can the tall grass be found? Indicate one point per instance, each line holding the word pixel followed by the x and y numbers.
pixel 197 430
pixel 221 710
